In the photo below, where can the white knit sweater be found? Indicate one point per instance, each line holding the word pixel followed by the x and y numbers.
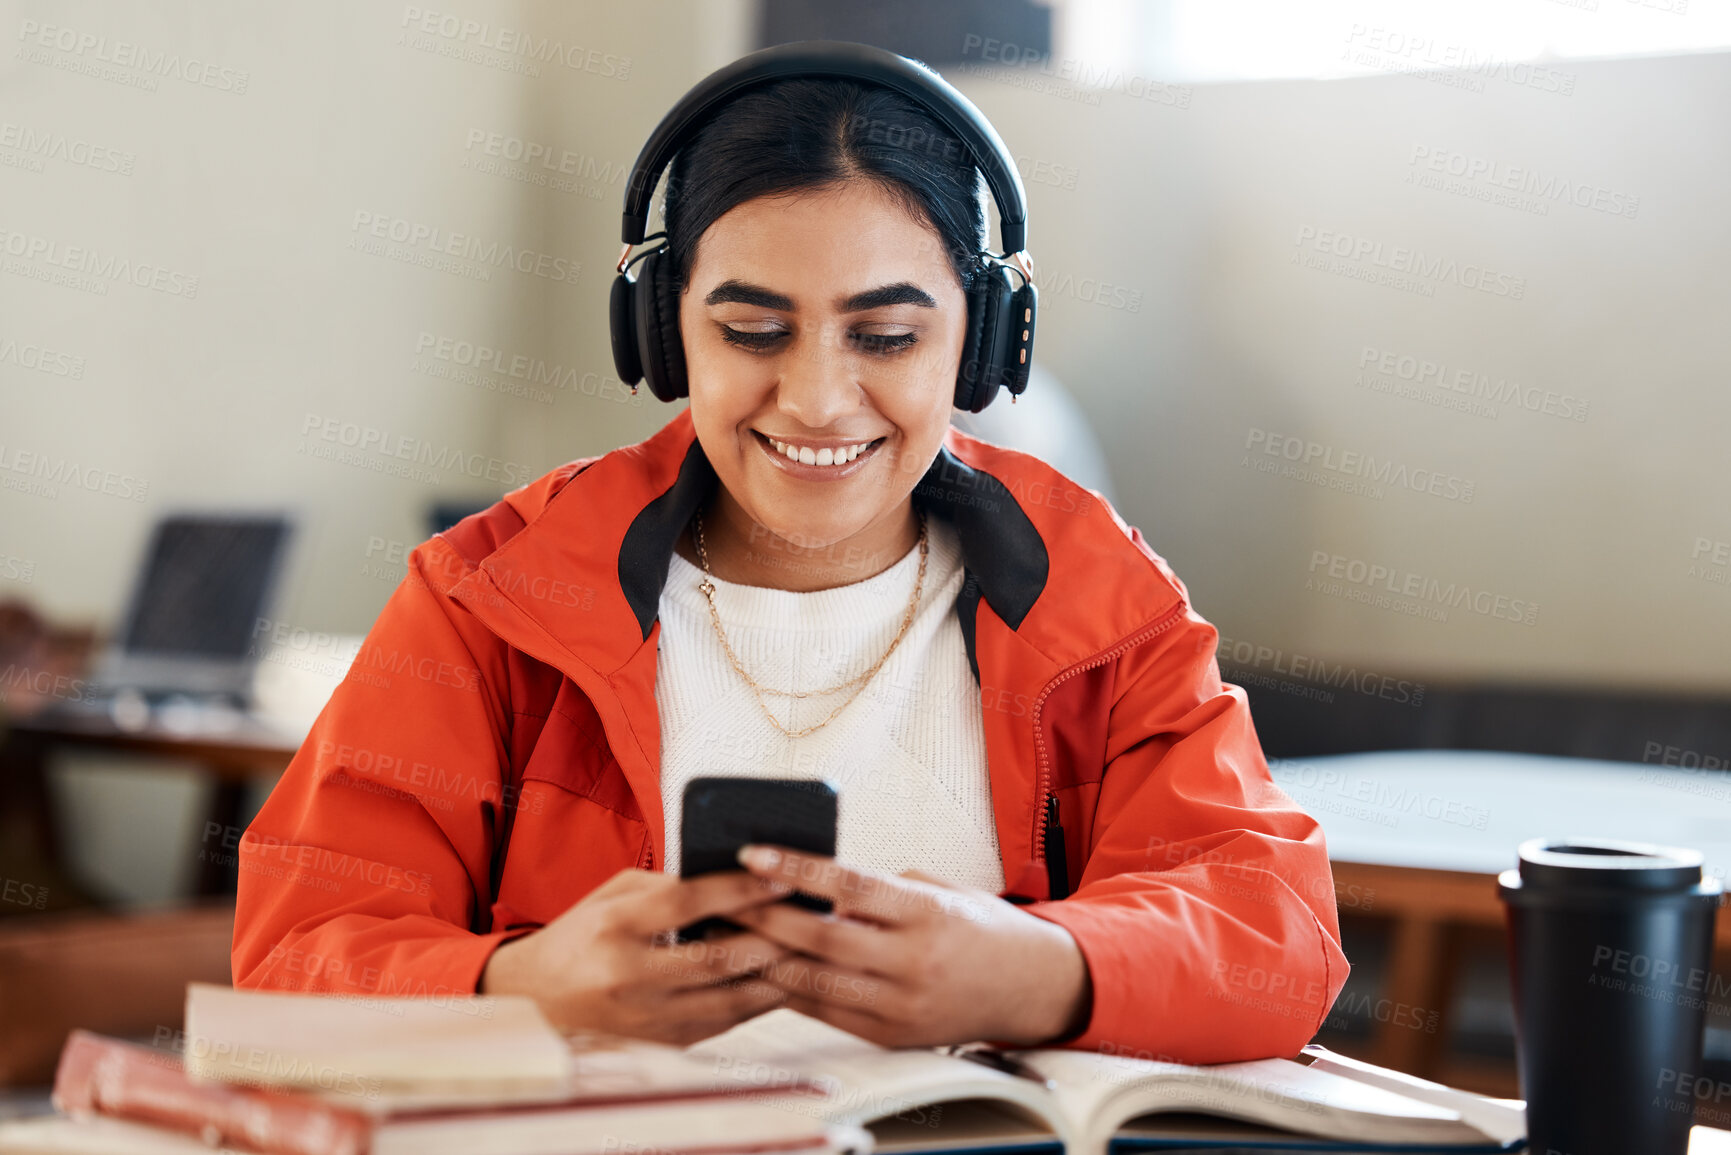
pixel 907 756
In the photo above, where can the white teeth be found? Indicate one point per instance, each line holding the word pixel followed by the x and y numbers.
pixel 825 456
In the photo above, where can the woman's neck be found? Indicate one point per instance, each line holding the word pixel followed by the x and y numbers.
pixel 748 553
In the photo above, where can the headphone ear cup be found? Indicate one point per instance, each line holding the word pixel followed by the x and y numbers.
pixel 968 373
pixel 989 332
pixel 622 326
pixel 660 349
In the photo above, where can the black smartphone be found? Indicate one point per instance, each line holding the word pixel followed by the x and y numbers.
pixel 720 815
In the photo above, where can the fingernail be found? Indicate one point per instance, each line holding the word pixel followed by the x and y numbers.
pixel 759 858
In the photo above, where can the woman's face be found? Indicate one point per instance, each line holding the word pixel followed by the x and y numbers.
pixel 822 320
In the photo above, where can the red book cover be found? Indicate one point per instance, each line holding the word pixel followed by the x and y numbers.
pixel 105 1076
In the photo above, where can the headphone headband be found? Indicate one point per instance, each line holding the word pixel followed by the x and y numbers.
pixel 842 60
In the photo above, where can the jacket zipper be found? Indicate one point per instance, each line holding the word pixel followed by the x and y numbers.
pixel 1043 796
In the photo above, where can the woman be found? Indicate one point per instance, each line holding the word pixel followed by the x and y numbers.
pixel 805 573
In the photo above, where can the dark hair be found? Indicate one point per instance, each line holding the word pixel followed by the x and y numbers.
pixel 811 133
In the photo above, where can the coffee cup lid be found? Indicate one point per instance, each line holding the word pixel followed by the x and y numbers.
pixel 1608 864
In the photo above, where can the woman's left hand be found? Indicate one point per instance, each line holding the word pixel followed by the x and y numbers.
pixel 910 960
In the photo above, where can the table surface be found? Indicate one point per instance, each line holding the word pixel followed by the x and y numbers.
pixel 233 745
pixel 1468 810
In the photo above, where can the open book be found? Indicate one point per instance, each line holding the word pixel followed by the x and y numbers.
pixel 921 1099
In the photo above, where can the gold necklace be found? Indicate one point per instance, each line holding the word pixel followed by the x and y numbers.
pixel 708 588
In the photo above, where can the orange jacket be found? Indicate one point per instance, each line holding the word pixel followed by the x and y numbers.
pixel 493 754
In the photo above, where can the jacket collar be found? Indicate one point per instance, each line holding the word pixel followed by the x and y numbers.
pixel 577 580
pixel 589 567
pixel 999 545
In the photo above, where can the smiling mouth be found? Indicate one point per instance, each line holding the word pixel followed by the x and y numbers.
pixel 838 456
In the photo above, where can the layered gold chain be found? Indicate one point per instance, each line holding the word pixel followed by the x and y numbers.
pixel 858 681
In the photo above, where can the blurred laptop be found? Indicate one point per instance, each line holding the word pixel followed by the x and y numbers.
pixel 206 581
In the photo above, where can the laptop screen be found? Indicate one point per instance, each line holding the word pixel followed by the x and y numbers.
pixel 204 583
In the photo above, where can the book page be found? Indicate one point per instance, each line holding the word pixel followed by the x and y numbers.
pixel 358 1047
pixel 1109 1090
pixel 866 1082
pixel 1502 1120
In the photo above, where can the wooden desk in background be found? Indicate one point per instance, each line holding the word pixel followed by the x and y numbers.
pixel 121 974
pixel 234 755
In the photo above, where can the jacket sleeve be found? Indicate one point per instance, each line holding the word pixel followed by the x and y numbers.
pixel 370 863
pixel 1206 908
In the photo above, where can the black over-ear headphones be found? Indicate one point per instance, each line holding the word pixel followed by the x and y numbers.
pixel 1000 335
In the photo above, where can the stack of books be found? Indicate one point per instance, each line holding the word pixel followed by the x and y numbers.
pixel 295 1074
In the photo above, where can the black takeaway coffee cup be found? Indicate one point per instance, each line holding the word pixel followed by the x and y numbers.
pixel 1610 945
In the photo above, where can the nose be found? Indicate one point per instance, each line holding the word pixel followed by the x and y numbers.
pixel 817 386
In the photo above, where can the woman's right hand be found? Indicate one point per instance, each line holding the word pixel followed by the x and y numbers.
pixel 606 964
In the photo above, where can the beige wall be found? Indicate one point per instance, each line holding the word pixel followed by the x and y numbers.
pixel 1188 205
pixel 261 185
pixel 1203 210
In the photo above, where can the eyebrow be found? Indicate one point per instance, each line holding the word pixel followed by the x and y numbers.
pixel 745 293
